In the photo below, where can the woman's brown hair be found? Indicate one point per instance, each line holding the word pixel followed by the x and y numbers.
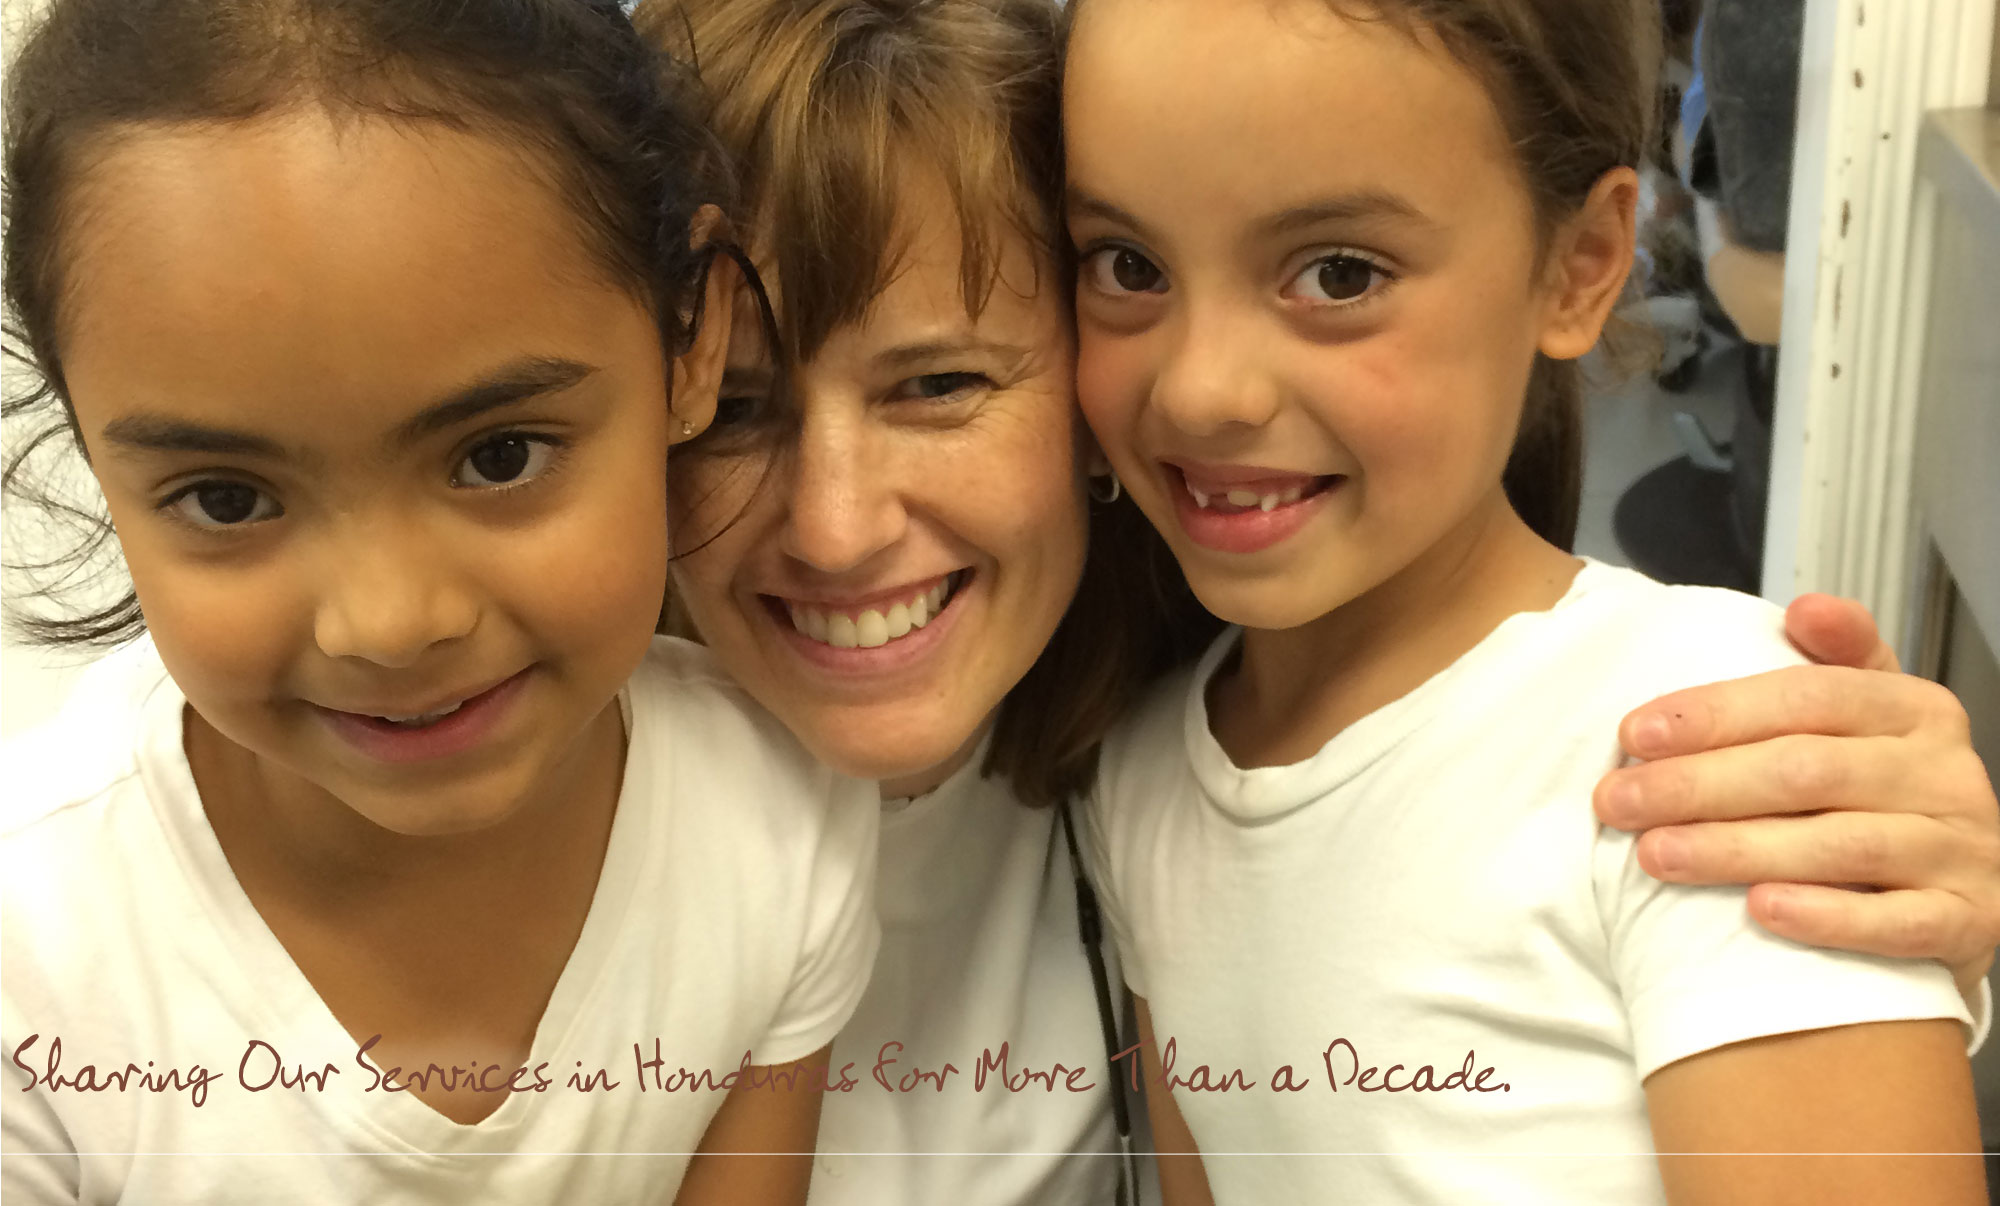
pixel 1575 83
pixel 820 102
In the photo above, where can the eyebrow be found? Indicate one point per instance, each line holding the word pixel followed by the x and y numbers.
pixel 1352 207
pixel 518 382
pixel 1080 202
pixel 911 354
pixel 1368 205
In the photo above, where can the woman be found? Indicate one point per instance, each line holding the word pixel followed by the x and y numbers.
pixel 903 583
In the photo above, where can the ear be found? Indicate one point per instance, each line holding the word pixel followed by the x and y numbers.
pixel 697 372
pixel 1095 463
pixel 1589 262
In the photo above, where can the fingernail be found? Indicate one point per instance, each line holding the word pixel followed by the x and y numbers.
pixel 1778 904
pixel 1670 853
pixel 1651 734
pixel 1623 800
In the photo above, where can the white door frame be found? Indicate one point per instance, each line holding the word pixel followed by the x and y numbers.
pixel 1856 292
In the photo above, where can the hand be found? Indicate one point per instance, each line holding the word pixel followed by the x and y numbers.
pixel 1843 773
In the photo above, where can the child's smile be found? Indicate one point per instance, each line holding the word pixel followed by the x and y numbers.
pixel 395 733
pixel 1245 509
pixel 1307 361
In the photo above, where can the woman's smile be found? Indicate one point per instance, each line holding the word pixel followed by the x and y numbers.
pixel 865 623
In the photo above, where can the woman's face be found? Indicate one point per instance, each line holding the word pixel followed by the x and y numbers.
pixel 903 562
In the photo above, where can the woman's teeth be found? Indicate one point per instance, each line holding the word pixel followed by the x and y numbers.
pixel 1245 499
pixel 872 629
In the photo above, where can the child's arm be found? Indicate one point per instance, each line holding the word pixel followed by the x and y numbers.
pixel 759 1146
pixel 1897 1088
pixel 1182 1179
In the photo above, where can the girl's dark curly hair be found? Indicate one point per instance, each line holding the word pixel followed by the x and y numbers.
pixel 611 121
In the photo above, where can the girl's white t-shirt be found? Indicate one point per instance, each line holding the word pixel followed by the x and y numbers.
pixel 1414 967
pixel 980 948
pixel 733 916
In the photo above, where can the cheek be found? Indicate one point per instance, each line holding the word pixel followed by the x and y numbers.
pixel 708 497
pixel 1034 509
pixel 1112 377
pixel 598 574
pixel 723 525
pixel 230 641
pixel 1430 407
pixel 227 632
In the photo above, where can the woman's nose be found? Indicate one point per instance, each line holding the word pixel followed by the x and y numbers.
pixel 846 496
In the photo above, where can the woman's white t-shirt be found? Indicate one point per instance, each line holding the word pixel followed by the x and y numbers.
pixel 980 949
pixel 733 916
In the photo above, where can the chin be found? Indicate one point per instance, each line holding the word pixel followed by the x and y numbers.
pixel 449 811
pixel 428 820
pixel 1271 606
pixel 885 753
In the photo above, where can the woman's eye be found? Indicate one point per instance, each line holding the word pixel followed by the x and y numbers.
pixel 1117 270
pixel 734 411
pixel 512 459
pixel 222 505
pixel 937 387
pixel 745 397
pixel 1338 279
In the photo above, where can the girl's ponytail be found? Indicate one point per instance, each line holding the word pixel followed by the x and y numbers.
pixel 1544 477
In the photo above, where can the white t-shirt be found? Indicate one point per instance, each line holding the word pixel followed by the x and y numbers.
pixel 1430 895
pixel 980 947
pixel 734 913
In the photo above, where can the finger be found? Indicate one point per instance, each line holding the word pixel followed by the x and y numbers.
pixel 1779 777
pixel 1901 925
pixel 1881 850
pixel 1832 700
pixel 1837 632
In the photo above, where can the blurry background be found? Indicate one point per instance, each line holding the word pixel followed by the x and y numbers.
pixel 1821 233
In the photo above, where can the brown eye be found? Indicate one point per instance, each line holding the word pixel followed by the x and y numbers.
pixel 508 460
pixel 502 460
pixel 1344 278
pixel 1116 270
pixel 222 504
pixel 1134 272
pixel 940 387
pixel 226 504
pixel 1341 279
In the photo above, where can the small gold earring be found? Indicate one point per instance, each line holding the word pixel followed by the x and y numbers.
pixel 687 428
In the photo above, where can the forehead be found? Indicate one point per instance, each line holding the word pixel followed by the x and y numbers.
pixel 1269 104
pixel 340 262
pixel 922 275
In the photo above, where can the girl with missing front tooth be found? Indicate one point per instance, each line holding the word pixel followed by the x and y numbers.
pixel 375 320
pixel 1338 259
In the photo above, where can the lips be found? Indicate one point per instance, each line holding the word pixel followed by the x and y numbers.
pixel 1234 509
pixel 872 625
pixel 876 633
pixel 440 731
